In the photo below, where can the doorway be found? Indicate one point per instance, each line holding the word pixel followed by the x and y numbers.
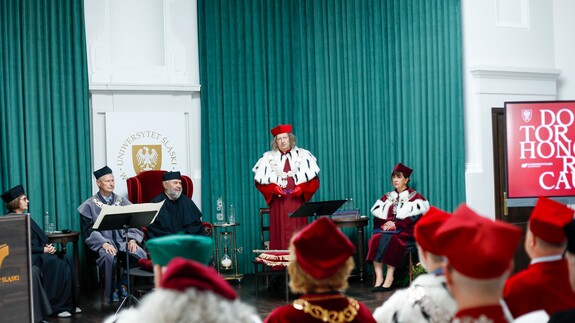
pixel 515 215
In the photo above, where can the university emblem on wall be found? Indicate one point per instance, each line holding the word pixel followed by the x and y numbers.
pixel 526 115
pixel 146 157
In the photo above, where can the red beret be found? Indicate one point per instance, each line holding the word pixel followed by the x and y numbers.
pixel 282 128
pixel 548 219
pixel 182 274
pixel 321 248
pixel 476 246
pixel 426 229
pixel 406 171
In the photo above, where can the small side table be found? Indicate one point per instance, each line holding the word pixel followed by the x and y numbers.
pixel 62 239
pixel 227 230
pixel 358 223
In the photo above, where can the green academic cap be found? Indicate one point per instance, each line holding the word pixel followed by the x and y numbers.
pixel 189 246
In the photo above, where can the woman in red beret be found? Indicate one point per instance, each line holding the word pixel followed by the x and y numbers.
pixel 321 259
pixel 57 294
pixel 394 214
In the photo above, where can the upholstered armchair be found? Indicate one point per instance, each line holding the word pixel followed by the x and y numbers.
pixel 143 187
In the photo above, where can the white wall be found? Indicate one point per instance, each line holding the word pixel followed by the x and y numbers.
pixel 563 27
pixel 514 50
pixel 143 57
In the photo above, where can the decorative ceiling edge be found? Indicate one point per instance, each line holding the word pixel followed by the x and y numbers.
pixel 94 88
pixel 513 72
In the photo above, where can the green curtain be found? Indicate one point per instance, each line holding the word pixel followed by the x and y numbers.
pixel 44 120
pixel 366 84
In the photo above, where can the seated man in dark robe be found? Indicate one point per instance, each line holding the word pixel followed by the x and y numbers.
pixel 179 214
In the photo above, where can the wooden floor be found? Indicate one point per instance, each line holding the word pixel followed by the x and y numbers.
pixel 268 300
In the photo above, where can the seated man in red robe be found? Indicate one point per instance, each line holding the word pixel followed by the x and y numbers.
pixel 544 285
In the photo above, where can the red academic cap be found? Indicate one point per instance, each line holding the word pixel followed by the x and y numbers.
pixel 548 219
pixel 406 171
pixel 182 274
pixel 321 248
pixel 282 128
pixel 426 229
pixel 476 246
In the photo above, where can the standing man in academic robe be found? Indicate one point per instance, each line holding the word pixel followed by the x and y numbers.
pixel 287 176
pixel 179 214
pixel 108 243
pixel 544 285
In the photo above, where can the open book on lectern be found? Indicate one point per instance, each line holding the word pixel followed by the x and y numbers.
pixel 317 208
pixel 130 216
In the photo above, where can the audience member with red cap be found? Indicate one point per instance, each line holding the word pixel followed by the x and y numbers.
pixel 479 254
pixel 320 264
pixel 186 289
pixel 395 215
pixel 287 176
pixel 569 315
pixel 544 284
pixel 427 298
pixel 178 214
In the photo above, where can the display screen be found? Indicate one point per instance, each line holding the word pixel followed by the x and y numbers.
pixel 540 151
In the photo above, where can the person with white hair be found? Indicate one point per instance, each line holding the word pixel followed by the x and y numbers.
pixel 178 213
pixel 187 290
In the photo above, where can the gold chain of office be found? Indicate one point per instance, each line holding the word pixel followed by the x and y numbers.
pixel 318 312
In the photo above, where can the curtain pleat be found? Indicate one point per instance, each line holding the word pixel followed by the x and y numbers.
pixel 366 84
pixel 44 120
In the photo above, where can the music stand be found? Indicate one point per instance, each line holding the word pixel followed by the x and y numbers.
pixel 126 217
pixel 317 208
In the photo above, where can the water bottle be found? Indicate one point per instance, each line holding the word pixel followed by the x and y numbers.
pixel 46 222
pixel 220 211
pixel 232 214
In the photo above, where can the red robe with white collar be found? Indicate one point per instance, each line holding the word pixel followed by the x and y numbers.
pixel 295 168
pixel 543 285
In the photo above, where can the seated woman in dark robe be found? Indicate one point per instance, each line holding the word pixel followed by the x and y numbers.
pixel 394 214
pixel 56 271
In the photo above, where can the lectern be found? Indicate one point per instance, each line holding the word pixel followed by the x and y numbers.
pixel 126 217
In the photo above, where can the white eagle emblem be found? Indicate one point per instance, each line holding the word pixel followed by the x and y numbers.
pixel 526 114
pixel 147 160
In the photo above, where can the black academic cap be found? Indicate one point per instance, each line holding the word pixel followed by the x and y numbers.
pixel 171 175
pixel 102 171
pixel 12 193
